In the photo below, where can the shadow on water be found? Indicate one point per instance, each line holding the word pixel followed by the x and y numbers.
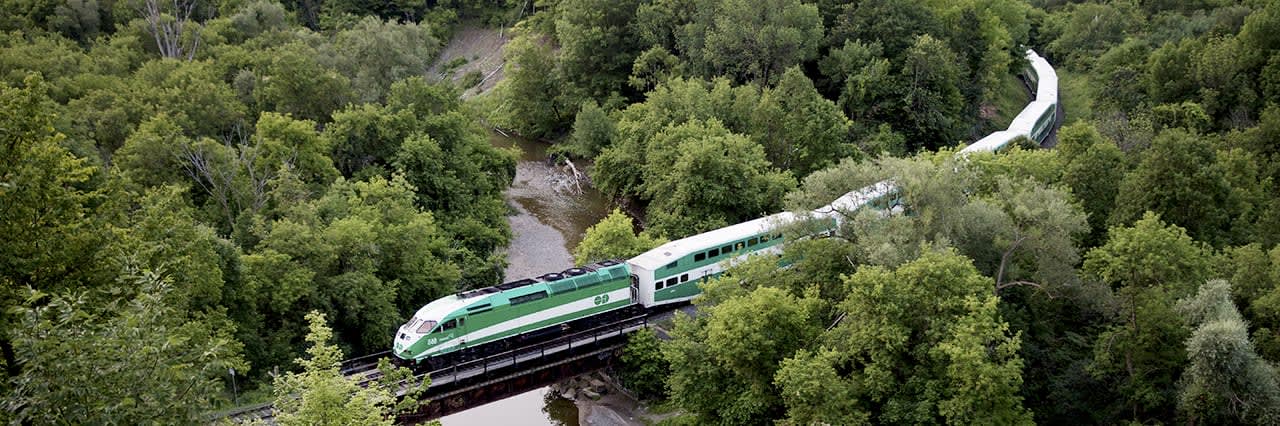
pixel 550 218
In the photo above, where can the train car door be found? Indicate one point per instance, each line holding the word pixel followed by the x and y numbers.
pixel 635 289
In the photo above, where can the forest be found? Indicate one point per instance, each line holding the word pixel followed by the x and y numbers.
pixel 190 188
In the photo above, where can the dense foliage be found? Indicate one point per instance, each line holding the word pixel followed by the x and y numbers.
pixel 182 183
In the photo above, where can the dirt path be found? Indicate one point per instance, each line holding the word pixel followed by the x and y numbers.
pixel 481 48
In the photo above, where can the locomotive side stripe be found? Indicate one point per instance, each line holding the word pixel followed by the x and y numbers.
pixel 540 319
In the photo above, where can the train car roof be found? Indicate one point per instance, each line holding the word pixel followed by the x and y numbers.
pixel 992 143
pixel 857 198
pixel 669 252
pixel 1046 78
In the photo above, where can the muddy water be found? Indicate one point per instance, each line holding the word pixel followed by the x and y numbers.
pixel 551 218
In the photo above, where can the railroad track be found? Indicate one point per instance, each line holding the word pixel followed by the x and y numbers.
pixel 364 370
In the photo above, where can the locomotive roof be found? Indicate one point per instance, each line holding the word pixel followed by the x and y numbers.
pixel 439 308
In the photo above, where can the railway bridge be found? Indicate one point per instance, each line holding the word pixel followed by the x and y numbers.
pixel 480 381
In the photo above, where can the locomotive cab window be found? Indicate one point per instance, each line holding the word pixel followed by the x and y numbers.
pixel 426 326
pixel 449 325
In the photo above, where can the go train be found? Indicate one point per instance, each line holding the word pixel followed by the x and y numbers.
pixel 479 322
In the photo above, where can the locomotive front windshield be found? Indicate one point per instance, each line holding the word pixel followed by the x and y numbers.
pixel 426 326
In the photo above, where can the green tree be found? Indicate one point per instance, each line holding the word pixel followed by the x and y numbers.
pixel 374 53
pixel 644 370
pixel 593 131
pixel 923 343
pixel 366 135
pixel 800 130
pixel 192 93
pixel 282 141
pixel 756 41
pixel 1258 272
pixel 1163 183
pixel 138 358
pixel 597 47
pixel 1149 266
pixel 293 81
pixel 363 253
pixel 321 395
pixel 613 238
pixel 1094 169
pixel 1225 381
pixel 162 234
pixel 892 24
pixel 50 233
pixel 931 100
pixel 738 345
pixel 1082 31
pixel 151 156
pixel 815 393
pixel 713 178
pixel 531 89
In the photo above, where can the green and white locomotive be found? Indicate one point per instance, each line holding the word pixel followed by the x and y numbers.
pixel 465 323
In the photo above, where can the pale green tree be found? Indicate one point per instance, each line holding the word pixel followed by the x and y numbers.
pixel 756 41
pixel 321 395
pixel 614 237
pixel 375 53
pixel 1225 381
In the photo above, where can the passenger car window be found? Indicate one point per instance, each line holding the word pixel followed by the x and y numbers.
pixel 753 241
pixel 699 257
pixel 671 281
pixel 726 249
pixel 714 252
pixel 684 277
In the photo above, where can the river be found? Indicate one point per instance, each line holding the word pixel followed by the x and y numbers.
pixel 549 220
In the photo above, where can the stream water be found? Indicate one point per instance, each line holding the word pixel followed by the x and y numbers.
pixel 551 216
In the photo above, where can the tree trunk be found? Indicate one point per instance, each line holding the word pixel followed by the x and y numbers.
pixel 10 357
